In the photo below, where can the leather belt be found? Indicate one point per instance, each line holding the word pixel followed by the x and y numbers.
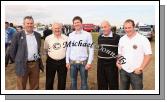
pixel 31 61
pixel 77 62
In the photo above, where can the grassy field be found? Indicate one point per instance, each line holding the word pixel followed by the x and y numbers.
pixel 149 73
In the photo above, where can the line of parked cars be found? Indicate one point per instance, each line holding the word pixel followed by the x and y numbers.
pixel 147 31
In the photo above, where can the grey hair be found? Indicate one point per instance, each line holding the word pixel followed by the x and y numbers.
pixel 107 22
pixel 57 23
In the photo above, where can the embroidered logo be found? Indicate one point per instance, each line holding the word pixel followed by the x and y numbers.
pixel 134 46
pixel 56 46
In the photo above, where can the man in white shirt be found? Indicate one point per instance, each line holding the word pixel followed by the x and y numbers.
pixel 77 58
pixel 55 62
pixel 25 51
pixel 136 52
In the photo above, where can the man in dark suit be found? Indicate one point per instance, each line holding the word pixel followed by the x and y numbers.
pixel 25 51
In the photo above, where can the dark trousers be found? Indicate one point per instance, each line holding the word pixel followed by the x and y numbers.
pixel 53 66
pixel 107 74
pixel 7 55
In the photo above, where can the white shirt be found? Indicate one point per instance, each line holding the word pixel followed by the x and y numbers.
pixel 110 35
pixel 55 47
pixel 133 50
pixel 80 52
pixel 32 46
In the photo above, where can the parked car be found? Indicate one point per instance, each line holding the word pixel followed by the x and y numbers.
pixel 146 31
pixel 121 32
pixel 88 27
pixel 40 30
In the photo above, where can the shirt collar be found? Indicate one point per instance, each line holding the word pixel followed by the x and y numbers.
pixel 110 35
pixel 137 34
pixel 56 36
pixel 29 33
pixel 78 32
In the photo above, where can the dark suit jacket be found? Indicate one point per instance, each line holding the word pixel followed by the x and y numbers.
pixel 19 53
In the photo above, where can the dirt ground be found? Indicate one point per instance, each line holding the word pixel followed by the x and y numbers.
pixel 149 74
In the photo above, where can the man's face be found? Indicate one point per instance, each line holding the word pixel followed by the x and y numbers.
pixel 6 26
pixel 29 25
pixel 106 28
pixel 129 29
pixel 56 29
pixel 77 24
pixel 19 29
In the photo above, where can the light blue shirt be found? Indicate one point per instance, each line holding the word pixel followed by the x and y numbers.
pixel 80 53
pixel 9 33
pixel 31 46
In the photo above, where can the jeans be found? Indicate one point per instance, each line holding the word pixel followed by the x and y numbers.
pixel 83 74
pixel 136 80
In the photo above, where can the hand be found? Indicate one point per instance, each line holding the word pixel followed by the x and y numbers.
pixel 41 66
pixel 118 65
pixel 68 66
pixel 88 66
pixel 138 70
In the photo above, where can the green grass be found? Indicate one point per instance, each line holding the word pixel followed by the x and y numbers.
pixel 95 37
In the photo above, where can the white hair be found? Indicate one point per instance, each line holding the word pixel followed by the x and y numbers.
pixel 57 23
pixel 106 22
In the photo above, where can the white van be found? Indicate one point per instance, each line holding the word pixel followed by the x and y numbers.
pixel 121 32
pixel 146 31
pixel 40 30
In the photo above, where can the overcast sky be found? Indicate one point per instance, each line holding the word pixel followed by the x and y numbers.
pixel 116 14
